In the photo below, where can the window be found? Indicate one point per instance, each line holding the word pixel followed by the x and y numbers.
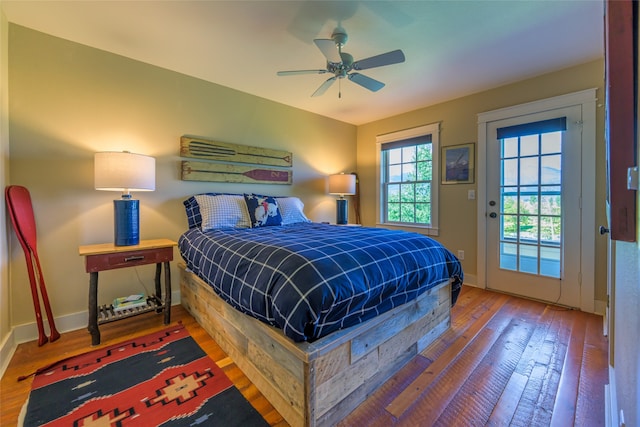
pixel 408 190
pixel 531 196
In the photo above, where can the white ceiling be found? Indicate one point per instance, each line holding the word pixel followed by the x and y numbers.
pixel 452 48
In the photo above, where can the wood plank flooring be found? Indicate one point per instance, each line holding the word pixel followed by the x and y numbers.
pixel 504 361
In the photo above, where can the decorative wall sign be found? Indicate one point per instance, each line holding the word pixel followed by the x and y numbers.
pixel 223 172
pixel 233 153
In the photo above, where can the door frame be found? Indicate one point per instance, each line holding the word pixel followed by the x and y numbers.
pixel 587 100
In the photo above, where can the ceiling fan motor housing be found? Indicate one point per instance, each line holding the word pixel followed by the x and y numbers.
pixel 339 38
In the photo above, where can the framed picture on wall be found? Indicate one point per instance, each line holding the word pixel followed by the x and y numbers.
pixel 458 164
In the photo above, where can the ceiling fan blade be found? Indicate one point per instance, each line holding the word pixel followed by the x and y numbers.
pixel 296 72
pixel 329 50
pixel 366 82
pixel 324 86
pixel 393 57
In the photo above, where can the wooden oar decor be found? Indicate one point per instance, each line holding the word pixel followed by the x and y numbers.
pixel 225 155
pixel 222 172
pixel 234 153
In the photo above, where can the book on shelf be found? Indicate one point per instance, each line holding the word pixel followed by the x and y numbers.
pixel 132 301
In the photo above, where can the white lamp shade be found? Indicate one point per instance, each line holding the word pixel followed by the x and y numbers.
pixel 342 184
pixel 124 171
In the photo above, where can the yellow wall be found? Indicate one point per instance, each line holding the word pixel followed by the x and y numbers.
pixel 68 101
pixel 458 118
pixel 5 325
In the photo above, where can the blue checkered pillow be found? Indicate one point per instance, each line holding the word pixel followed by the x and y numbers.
pixel 292 210
pixel 221 211
pixel 263 210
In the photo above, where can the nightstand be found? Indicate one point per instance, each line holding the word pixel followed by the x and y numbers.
pixel 107 256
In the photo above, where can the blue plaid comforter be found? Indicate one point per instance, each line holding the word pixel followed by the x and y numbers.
pixel 312 279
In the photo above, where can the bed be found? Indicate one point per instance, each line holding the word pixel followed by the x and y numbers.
pixel 317 316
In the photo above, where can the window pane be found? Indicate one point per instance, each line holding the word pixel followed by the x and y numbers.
pixel 423 193
pixel 551 169
pixel 509 227
pixel 407 193
pixel 393 212
pixel 510 147
pixel 423 213
pixel 424 152
pixel 550 262
pixel 409 154
pixel 528 259
pixel 551 142
pixel 407 213
pixel 529 145
pixel 393 193
pixel 395 156
pixel 550 205
pixel 510 172
pixel 529 171
pixel 550 230
pixel 408 172
pixel 395 173
pixel 529 204
pixel 509 204
pixel 424 171
pixel 529 228
pixel 508 253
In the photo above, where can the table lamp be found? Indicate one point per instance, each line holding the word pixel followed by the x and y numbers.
pixel 126 172
pixel 342 185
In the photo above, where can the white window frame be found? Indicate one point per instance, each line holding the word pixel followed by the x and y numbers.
pixel 433 130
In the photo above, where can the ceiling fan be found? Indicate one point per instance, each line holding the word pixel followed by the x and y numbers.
pixel 341 64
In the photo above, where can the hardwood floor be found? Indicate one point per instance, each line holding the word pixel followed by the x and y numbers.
pixel 504 361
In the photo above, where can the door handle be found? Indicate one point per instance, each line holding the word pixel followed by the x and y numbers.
pixel 603 230
pixel 493 215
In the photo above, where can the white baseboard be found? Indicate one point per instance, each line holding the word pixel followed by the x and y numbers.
pixel 600 307
pixel 470 280
pixel 610 401
pixel 7 349
pixel 29 331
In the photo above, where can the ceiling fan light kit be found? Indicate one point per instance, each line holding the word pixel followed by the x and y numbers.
pixel 341 64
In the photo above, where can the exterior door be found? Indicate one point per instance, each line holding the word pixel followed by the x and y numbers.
pixel 534 205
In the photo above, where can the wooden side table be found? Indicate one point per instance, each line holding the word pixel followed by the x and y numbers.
pixel 107 256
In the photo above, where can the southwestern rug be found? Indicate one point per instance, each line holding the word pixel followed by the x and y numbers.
pixel 160 379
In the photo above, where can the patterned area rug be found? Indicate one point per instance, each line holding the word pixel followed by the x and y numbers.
pixel 161 379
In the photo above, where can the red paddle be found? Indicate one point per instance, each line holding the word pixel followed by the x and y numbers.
pixel 21 213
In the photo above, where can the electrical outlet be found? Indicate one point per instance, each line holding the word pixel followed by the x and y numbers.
pixel 460 254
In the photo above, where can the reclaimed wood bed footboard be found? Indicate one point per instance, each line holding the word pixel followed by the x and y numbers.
pixel 319 383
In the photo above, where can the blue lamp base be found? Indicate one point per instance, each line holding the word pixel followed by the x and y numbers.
pixel 342 213
pixel 126 221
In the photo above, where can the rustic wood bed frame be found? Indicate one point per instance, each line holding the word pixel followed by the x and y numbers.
pixel 319 383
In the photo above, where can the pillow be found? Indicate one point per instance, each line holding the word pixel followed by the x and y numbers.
pixel 263 210
pixel 222 211
pixel 292 210
pixel 194 218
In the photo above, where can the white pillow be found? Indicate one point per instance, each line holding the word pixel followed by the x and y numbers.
pixel 291 209
pixel 223 211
